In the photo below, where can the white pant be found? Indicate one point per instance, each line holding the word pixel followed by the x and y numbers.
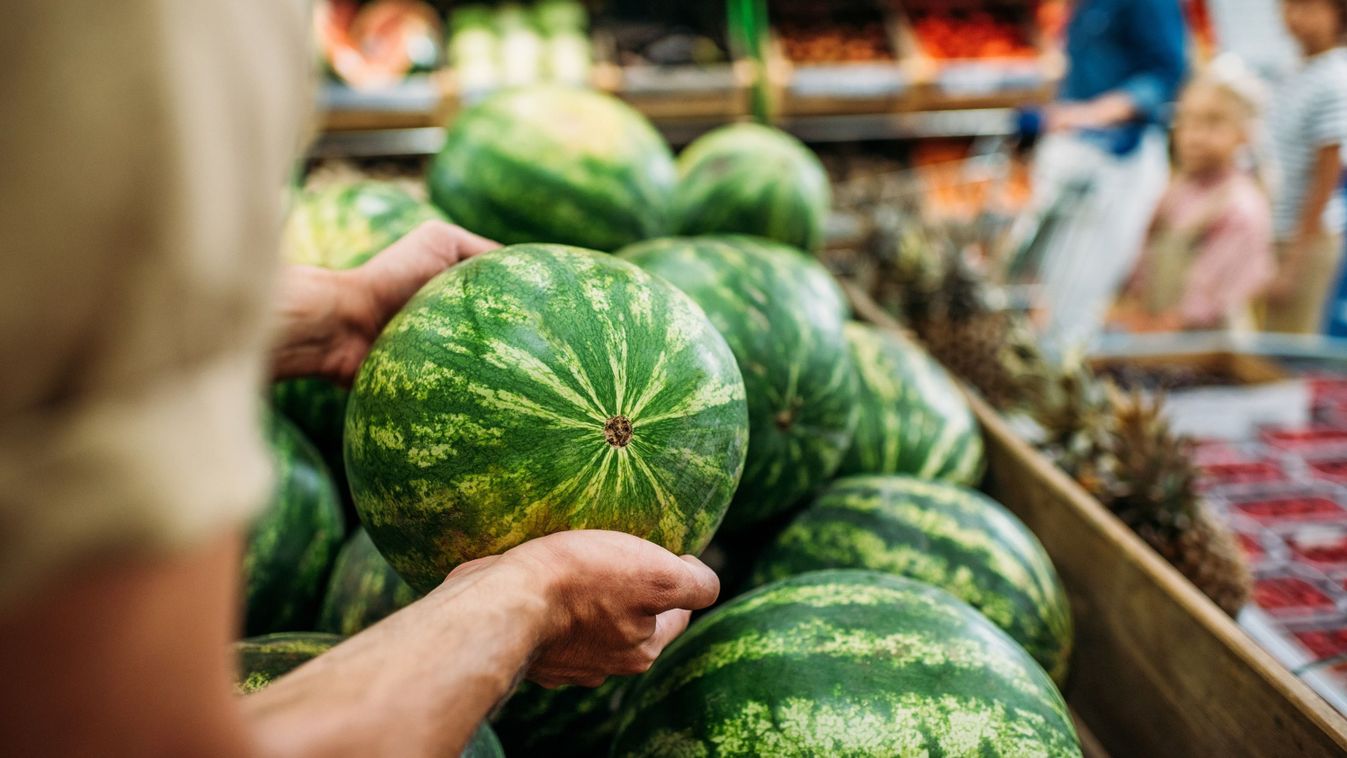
pixel 1096 248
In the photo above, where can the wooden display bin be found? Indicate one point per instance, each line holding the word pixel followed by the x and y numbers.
pixel 1158 669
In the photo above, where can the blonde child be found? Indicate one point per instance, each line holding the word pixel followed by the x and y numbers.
pixel 1208 252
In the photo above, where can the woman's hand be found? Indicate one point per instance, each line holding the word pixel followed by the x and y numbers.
pixel 329 319
pixel 613 601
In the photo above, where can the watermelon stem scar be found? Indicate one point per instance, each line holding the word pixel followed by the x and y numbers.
pixel 617 431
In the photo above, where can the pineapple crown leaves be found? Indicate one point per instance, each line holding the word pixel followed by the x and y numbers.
pixel 1154 481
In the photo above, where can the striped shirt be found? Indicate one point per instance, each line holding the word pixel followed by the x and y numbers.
pixel 1310 112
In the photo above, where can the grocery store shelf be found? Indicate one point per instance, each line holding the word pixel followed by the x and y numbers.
pixel 378 143
pixel 818 129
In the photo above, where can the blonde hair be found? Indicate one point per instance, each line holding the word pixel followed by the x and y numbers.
pixel 1230 77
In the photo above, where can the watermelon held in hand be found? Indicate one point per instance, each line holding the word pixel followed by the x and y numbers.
pixel 340 226
pixel 914 419
pixel 363 589
pixel 537 389
pixel 752 179
pixel 551 164
pixel 944 535
pixel 268 657
pixel 853 663
pixel 782 315
pixel 292 543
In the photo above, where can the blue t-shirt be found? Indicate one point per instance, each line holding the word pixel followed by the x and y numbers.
pixel 1132 46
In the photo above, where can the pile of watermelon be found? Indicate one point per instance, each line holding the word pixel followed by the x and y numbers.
pixel 657 352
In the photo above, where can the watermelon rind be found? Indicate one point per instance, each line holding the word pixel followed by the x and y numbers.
pixel 782 315
pixel 914 418
pixel 555 164
pixel 363 588
pixel 293 541
pixel 536 389
pixel 853 663
pixel 942 534
pixel 752 179
pixel 566 722
pixel 265 658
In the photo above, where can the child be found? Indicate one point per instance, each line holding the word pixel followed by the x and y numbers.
pixel 1208 253
pixel 1309 125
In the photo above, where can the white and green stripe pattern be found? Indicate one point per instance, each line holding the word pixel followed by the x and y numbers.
pixel 853 663
pixel 914 419
pixel 537 389
pixel 782 315
pixel 752 179
pixel 550 164
pixel 942 534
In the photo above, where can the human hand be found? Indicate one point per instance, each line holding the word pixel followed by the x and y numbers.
pixel 1287 282
pixel 329 319
pixel 614 601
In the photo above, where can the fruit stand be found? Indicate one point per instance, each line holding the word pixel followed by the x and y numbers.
pixel 793 353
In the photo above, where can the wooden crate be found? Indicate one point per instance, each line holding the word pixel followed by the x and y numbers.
pixel 1158 670
pixel 1238 367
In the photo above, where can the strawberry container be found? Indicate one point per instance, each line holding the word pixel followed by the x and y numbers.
pixel 1295 595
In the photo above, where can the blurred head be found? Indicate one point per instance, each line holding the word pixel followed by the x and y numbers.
pixel 1213 123
pixel 1316 24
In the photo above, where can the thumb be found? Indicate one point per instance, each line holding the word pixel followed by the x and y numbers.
pixel 701 587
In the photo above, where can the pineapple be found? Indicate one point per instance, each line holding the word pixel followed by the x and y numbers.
pixel 965 327
pixel 1152 488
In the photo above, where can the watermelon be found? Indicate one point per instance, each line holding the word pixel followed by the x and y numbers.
pixel 752 179
pixel 943 534
pixel 338 226
pixel 552 164
pixel 536 389
pixel 854 663
pixel 292 543
pixel 343 224
pixel 271 656
pixel 914 419
pixel 363 588
pixel 567 722
pixel 782 315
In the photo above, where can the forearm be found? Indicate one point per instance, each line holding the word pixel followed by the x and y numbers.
pixel 418 683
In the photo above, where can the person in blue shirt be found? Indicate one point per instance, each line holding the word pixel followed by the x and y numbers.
pixel 1106 143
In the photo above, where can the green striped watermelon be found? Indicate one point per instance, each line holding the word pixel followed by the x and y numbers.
pixel 343 224
pixel 292 543
pixel 268 657
pixel 363 588
pixel 536 389
pixel 339 226
pixel 782 315
pixel 945 535
pixel 550 164
pixel 262 660
pixel 853 663
pixel 914 419
pixel 752 179
pixel 567 722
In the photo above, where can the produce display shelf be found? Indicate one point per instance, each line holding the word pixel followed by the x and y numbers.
pixel 1158 669
pixel 425 140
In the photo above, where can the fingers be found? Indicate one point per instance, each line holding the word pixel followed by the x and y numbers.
pixel 684 582
pixel 470 244
pixel 668 626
